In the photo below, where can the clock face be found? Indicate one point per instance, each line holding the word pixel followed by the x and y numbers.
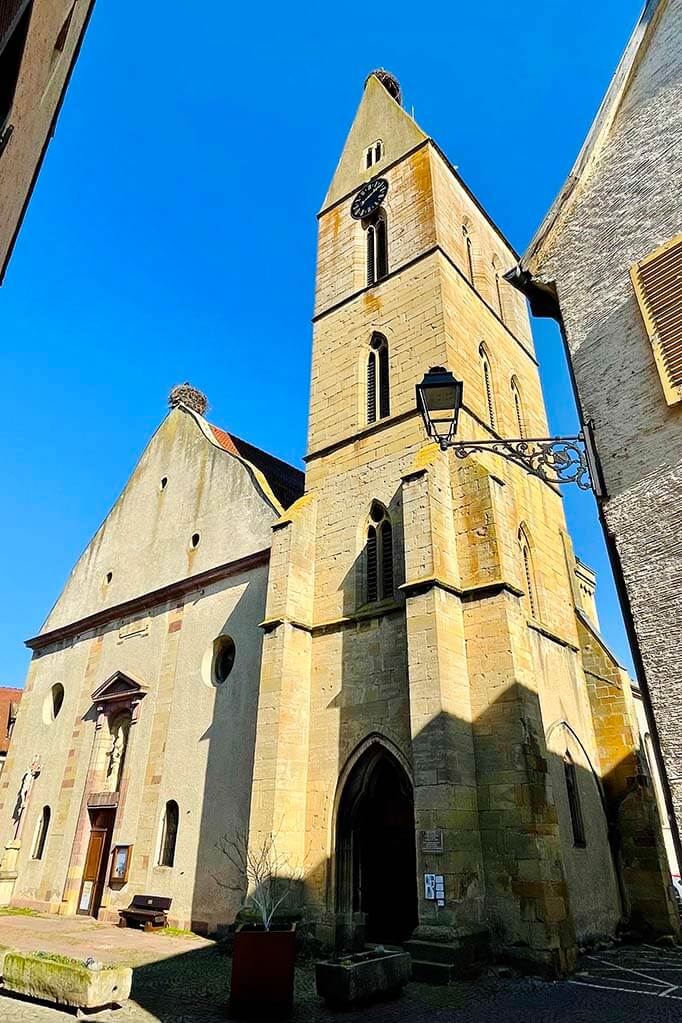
pixel 369 198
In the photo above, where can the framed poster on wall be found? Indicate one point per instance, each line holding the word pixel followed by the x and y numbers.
pixel 120 864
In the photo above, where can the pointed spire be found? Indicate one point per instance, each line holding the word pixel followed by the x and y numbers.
pixel 379 118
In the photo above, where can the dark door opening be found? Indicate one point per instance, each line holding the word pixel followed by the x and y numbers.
pixel 376 854
pixel 96 861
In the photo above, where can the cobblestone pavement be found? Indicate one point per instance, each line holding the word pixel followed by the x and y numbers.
pixel 191 982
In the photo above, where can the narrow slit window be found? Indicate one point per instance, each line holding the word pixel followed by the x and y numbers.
pixel 41 834
pixel 574 806
pixel 374 153
pixel 500 307
pixel 60 41
pixel 469 254
pixel 169 834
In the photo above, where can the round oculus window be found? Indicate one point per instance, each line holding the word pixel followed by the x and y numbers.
pixel 223 658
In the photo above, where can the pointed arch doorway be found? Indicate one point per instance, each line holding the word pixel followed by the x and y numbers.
pixel 376 875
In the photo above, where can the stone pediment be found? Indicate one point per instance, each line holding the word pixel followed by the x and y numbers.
pixel 119 687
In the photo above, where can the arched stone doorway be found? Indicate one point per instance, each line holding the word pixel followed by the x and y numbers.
pixel 376 875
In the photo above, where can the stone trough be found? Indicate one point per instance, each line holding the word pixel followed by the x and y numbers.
pixel 354 979
pixel 65 982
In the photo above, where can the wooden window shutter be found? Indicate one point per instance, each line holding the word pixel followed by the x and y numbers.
pixel 386 560
pixel 371 388
pixel 657 280
pixel 384 388
pixel 372 581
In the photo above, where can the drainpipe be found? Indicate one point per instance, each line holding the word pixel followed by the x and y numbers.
pixel 544 302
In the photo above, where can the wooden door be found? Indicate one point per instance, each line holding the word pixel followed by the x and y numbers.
pixel 95 870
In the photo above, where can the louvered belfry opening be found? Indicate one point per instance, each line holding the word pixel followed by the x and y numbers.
pixel 529 573
pixel 15 16
pixel 371 261
pixel 518 407
pixel 372 563
pixel 371 387
pixel 378 380
pixel 377 247
pixel 658 285
pixel 488 386
pixel 379 555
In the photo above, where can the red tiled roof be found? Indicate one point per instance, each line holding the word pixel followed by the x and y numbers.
pixel 9 700
pixel 287 483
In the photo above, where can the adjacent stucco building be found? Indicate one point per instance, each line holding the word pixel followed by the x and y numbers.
pixel 9 704
pixel 393 670
pixel 607 263
pixel 39 44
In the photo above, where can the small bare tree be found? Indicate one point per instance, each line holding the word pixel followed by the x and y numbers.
pixel 265 877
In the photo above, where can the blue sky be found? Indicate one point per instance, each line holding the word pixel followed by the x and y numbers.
pixel 172 233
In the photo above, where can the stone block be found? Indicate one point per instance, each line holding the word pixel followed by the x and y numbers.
pixel 355 979
pixel 64 982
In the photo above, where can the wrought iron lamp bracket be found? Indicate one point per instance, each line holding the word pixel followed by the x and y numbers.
pixel 556 460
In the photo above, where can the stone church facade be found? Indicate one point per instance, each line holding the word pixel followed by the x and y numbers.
pixel 393 667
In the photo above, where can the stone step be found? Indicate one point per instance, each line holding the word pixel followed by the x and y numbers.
pixel 433 951
pixel 431 973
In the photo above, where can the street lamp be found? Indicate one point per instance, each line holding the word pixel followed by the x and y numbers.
pixel 553 459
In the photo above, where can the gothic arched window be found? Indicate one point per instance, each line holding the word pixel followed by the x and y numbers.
pixel 528 572
pixel 41 834
pixel 488 386
pixel 169 834
pixel 377 247
pixel 378 389
pixel 518 407
pixel 379 555
pixel 574 806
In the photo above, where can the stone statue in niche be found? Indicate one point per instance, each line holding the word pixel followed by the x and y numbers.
pixel 117 752
pixel 24 792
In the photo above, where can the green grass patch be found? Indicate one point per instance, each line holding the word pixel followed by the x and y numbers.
pixel 178 932
pixel 17 911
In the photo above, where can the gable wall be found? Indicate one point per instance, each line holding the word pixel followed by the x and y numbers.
pixel 145 540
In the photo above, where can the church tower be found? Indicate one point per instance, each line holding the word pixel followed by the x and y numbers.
pixel 426 752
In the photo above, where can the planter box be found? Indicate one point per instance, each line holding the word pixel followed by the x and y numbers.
pixel 262 982
pixel 361 977
pixel 72 984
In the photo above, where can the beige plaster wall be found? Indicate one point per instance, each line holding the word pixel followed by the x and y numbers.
pixel 145 539
pixel 193 741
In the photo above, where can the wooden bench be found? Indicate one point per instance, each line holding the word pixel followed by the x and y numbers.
pixel 150 912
